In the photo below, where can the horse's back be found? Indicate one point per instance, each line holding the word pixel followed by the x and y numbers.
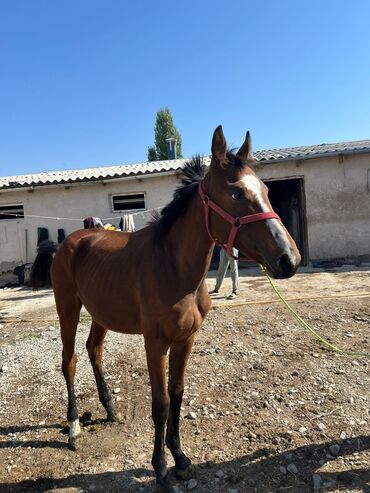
pixel 79 244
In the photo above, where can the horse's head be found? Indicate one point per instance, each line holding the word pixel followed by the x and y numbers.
pixel 233 185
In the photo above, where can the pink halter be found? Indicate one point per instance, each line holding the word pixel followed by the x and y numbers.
pixel 236 222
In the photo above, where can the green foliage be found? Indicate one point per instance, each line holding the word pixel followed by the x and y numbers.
pixel 152 154
pixel 164 129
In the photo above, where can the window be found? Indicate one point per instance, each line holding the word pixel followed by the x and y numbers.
pixel 14 211
pixel 128 202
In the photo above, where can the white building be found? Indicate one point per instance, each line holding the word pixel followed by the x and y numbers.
pixel 321 192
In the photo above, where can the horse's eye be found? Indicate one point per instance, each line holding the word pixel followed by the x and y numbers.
pixel 237 195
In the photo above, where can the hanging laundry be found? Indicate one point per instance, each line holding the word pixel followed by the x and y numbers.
pixel 110 227
pixel 93 222
pixel 42 235
pixel 127 223
pixel 61 235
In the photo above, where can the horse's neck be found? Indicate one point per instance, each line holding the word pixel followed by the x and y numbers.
pixel 190 245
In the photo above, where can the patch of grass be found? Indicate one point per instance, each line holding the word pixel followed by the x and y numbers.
pixel 33 335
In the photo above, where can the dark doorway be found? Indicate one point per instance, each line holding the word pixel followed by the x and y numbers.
pixel 288 200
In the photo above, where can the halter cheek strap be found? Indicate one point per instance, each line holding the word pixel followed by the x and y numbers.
pixel 236 222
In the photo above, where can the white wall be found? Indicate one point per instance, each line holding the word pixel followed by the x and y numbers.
pixel 74 202
pixel 12 244
pixel 337 203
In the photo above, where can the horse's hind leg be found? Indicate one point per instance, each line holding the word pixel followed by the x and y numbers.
pixel 179 355
pixel 69 313
pixel 94 346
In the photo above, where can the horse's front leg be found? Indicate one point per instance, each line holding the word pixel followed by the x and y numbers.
pixel 179 355
pixel 156 354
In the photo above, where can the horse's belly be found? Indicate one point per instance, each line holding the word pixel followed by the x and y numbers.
pixel 125 320
pixel 125 330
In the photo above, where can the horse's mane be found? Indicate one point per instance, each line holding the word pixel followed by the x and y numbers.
pixel 190 176
pixel 237 161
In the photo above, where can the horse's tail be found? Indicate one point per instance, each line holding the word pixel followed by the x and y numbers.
pixel 40 273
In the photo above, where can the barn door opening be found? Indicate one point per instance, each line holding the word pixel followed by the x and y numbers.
pixel 288 200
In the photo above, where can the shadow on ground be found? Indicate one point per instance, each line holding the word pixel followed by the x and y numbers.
pixel 30 296
pixel 258 472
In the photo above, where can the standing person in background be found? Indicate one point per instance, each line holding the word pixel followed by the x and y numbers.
pixel 225 261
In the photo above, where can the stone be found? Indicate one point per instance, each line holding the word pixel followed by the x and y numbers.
pixel 334 449
pixel 191 415
pixel 316 482
pixel 292 468
pixel 282 469
pixel 329 484
pixel 302 430
pixel 117 390
pixel 192 483
pixel 220 474
pixel 320 426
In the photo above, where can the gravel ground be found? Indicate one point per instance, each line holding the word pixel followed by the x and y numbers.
pixel 266 408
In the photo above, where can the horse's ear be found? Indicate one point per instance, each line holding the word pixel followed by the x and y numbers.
pixel 246 149
pixel 219 147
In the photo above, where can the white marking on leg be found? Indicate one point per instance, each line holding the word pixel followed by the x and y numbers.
pixel 74 428
pixel 254 185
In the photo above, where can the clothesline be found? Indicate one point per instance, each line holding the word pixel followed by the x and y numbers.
pixel 72 219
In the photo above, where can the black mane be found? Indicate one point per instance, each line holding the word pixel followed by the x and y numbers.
pixel 190 176
pixel 236 160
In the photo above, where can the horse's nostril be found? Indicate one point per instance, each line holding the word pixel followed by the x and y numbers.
pixel 286 264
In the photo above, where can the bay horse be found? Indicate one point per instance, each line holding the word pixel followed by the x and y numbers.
pixel 152 282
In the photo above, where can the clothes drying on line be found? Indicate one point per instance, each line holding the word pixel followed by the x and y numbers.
pixel 127 223
pixel 93 222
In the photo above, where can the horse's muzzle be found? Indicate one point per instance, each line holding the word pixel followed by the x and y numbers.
pixel 285 267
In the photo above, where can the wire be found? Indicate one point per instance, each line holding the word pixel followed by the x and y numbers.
pixel 352 354
pixel 72 219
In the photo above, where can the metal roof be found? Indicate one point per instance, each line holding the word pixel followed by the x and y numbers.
pixel 150 168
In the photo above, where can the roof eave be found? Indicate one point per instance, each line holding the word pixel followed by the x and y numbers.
pixel 87 181
pixel 306 157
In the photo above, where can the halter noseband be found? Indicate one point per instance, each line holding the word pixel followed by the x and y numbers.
pixel 236 222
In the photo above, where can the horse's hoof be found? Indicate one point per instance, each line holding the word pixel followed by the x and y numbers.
pixel 185 473
pixel 115 417
pixel 72 444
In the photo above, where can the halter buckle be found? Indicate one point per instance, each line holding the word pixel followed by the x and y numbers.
pixel 237 222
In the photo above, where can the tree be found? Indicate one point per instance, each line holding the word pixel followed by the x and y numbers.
pixel 152 154
pixel 164 129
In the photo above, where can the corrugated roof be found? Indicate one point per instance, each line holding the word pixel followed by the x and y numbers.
pixel 313 151
pixel 149 168
pixel 90 174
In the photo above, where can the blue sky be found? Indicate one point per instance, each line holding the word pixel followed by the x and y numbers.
pixel 81 81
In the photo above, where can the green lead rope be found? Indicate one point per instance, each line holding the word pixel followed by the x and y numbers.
pixel 352 354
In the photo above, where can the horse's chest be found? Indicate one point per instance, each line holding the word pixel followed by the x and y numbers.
pixel 181 322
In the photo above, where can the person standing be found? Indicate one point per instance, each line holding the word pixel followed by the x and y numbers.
pixel 225 261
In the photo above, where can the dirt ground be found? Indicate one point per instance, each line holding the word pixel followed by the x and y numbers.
pixel 266 407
